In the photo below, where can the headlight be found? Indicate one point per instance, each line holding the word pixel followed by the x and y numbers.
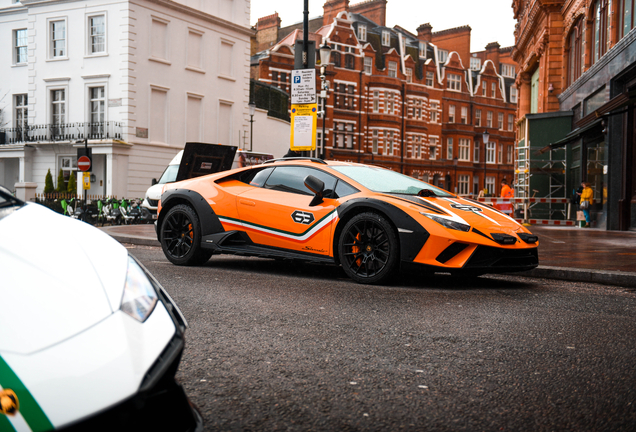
pixel 448 223
pixel 140 296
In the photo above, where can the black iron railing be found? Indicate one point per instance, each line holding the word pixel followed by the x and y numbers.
pixel 271 98
pixel 61 132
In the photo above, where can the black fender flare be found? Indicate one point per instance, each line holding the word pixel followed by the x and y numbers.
pixel 411 233
pixel 210 223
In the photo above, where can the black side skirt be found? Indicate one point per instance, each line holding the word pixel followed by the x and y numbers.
pixel 239 243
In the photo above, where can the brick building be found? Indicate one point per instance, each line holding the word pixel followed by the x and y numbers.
pixel 417 103
pixel 577 90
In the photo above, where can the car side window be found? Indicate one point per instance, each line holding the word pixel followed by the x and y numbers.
pixel 343 189
pixel 257 177
pixel 292 179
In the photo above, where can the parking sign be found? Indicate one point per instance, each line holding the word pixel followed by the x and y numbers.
pixel 303 89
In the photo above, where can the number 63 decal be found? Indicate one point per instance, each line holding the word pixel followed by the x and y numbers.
pixel 302 217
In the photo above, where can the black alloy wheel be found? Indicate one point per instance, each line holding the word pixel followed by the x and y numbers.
pixel 181 237
pixel 368 248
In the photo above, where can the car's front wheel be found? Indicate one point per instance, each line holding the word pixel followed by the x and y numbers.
pixel 368 248
pixel 181 237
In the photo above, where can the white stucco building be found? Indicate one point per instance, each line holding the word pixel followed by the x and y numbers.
pixel 138 78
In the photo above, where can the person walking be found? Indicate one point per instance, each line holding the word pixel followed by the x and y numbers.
pixel 587 198
pixel 506 192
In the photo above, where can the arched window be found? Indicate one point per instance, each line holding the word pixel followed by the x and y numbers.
pixel 626 14
pixel 576 52
pixel 600 36
pixel 350 61
pixel 335 58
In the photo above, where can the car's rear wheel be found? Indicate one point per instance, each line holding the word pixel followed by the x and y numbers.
pixel 181 237
pixel 368 249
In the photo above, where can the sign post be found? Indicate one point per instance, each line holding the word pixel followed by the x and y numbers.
pixel 303 98
pixel 304 110
pixel 84 164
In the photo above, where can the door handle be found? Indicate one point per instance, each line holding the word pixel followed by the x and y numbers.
pixel 247 202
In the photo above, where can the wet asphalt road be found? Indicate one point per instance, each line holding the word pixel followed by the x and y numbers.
pixel 276 346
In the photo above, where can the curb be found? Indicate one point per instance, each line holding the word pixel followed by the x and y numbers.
pixel 618 278
pixel 131 238
pixel 136 240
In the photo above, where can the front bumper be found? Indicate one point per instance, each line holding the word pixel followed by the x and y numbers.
pixel 160 406
pixel 161 403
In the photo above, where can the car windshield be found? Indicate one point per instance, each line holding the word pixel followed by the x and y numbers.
pixel 386 181
pixel 169 175
pixel 8 203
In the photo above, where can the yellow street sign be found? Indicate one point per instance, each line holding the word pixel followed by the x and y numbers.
pixel 86 180
pixel 303 127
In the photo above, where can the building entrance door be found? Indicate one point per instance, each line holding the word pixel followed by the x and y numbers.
pixel 630 166
pixel 597 176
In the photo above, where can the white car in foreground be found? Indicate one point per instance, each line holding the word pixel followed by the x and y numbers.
pixel 89 339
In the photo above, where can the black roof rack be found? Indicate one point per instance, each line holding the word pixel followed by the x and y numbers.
pixel 296 159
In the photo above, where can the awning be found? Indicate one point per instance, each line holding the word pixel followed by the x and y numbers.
pixel 617 105
pixel 572 136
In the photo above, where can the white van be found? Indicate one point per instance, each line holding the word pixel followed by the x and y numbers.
pixel 153 194
pixel 151 200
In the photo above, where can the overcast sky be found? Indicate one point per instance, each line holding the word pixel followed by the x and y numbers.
pixel 490 21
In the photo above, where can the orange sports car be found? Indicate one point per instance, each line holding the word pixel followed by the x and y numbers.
pixel 370 220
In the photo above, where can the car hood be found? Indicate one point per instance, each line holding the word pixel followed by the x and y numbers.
pixel 59 276
pixel 471 212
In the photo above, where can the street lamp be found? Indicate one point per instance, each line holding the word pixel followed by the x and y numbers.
pixel 485 137
pixel 325 56
pixel 252 107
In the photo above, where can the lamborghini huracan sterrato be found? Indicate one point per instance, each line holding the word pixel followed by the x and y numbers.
pixel 370 220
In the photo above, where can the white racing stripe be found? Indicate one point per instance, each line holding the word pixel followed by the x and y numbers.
pixel 481 213
pixel 500 213
pixel 303 237
pixel 454 217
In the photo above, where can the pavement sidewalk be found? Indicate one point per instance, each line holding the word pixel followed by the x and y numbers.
pixel 567 253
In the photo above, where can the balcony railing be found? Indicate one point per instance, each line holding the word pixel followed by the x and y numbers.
pixel 273 99
pixel 47 133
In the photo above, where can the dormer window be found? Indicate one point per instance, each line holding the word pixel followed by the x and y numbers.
pixel 362 33
pixel 386 38
pixel 422 49
pixel 442 56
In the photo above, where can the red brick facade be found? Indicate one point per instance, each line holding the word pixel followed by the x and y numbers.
pixel 557 41
pixel 393 103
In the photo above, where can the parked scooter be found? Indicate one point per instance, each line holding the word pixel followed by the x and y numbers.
pixel 111 212
pixel 85 213
pixel 131 213
pixel 67 208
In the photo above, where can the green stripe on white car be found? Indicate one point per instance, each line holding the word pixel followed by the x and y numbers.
pixel 30 416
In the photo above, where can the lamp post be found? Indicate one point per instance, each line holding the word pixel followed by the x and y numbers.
pixel 325 56
pixel 252 107
pixel 485 136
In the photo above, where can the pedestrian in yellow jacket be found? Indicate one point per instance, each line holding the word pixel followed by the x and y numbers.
pixel 587 198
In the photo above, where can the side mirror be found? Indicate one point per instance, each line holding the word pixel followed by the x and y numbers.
pixel 153 182
pixel 317 186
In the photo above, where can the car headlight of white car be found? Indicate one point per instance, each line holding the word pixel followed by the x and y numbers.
pixel 140 297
